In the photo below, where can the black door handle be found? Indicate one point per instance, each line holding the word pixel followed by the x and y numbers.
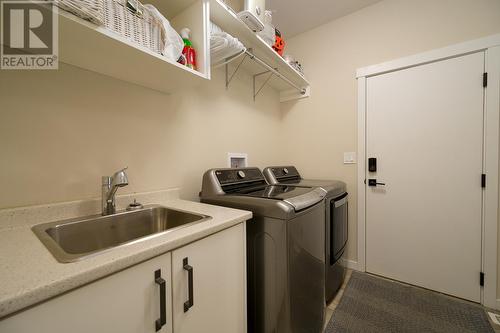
pixel 163 294
pixel 373 182
pixel 190 302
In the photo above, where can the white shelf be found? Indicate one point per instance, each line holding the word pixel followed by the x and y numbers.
pixel 85 45
pixel 226 19
pixel 170 8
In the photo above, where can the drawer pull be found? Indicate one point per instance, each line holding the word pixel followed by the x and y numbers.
pixel 163 294
pixel 190 302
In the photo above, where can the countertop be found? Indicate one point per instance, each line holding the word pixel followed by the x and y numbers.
pixel 29 274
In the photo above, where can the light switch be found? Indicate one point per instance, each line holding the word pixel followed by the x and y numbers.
pixel 350 157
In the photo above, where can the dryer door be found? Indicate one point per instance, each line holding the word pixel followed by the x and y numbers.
pixel 335 243
pixel 337 228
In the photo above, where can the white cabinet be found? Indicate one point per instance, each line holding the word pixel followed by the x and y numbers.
pixel 125 302
pixel 217 265
pixel 131 301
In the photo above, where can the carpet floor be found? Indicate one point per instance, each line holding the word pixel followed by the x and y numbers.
pixel 372 304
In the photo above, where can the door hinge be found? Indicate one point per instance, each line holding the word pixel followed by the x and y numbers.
pixel 485 80
pixel 481 279
pixel 483 180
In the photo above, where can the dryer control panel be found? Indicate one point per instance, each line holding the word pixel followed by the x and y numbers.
pixel 279 174
pixel 285 172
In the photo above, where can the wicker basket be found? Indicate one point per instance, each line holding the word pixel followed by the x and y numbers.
pixel 90 10
pixel 128 18
pixel 134 22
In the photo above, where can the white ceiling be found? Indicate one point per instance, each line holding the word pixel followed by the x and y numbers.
pixel 293 17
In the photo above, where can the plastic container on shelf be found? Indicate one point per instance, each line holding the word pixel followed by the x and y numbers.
pixel 268 34
pixel 294 63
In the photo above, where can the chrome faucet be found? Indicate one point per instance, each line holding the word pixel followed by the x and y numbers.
pixel 109 187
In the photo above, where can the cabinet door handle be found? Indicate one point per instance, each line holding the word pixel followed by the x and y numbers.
pixel 163 294
pixel 190 302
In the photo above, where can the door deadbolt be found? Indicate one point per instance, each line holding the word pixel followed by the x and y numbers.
pixel 372 164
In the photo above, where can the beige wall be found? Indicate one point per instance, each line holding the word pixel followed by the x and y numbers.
pixel 60 131
pixel 331 54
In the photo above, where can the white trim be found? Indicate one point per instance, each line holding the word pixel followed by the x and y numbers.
pixel 491 164
pixel 361 172
pixel 351 264
pixel 491 46
pixel 245 276
pixel 494 318
pixel 206 38
pixel 430 56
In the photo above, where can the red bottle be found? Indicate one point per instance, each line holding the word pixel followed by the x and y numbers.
pixel 279 44
pixel 188 52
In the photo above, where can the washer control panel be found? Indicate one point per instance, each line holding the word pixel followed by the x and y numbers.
pixel 231 176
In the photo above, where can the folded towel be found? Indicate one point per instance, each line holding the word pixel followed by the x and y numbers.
pixel 214 28
pixel 223 46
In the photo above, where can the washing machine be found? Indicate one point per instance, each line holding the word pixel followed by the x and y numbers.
pixel 336 219
pixel 285 261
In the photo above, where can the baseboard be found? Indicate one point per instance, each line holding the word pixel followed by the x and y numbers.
pixel 354 265
pixel 351 264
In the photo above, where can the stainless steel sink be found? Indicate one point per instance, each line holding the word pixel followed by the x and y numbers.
pixel 75 239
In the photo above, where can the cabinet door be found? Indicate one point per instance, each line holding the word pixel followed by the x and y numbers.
pixel 128 301
pixel 218 265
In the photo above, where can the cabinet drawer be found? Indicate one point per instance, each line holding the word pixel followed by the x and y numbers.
pixel 218 287
pixel 125 302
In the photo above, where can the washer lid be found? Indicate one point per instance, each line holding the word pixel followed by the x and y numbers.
pixel 298 197
pixel 307 200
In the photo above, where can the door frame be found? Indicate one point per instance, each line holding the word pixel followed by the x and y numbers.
pixel 491 47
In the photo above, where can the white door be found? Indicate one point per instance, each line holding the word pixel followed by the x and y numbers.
pixel 425 128
pixel 125 302
pixel 215 301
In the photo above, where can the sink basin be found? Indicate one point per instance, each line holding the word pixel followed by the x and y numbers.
pixel 75 239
